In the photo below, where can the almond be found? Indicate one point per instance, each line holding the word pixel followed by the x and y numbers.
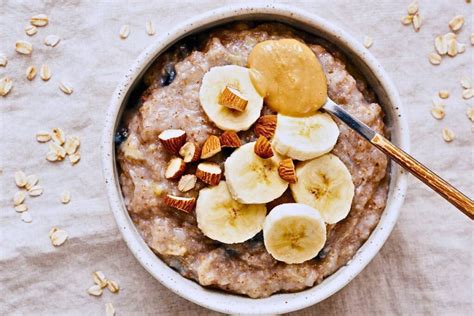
pixel 175 168
pixel 232 99
pixel 230 139
pixel 172 139
pixel 211 146
pixel 286 170
pixel 263 148
pixel 185 204
pixel 187 182
pixel 209 173
pixel 266 126
pixel 190 152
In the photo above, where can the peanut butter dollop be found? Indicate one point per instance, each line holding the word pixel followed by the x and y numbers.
pixel 288 74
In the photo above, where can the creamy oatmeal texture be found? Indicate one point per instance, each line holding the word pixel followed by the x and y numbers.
pixel 172 102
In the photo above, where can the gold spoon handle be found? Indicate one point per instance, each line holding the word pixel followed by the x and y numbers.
pixel 443 188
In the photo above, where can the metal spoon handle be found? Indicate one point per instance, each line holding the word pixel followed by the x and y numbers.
pixel 443 188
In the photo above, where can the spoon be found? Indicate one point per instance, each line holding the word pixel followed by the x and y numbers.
pixel 443 188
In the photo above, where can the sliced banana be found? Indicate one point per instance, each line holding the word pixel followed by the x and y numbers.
pixel 294 233
pixel 325 184
pixel 251 179
pixel 223 219
pixel 305 138
pixel 237 79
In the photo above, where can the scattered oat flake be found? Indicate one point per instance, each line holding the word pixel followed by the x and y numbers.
pixel 35 191
pixel 466 82
pixel 39 20
pixel 368 41
pixel 52 40
pixel 124 31
pixel 3 60
pixel 441 45
pixel 407 20
pixel 452 47
pixel 434 58
pixel 26 217
pixel 31 73
pixel 58 136
pixel 95 290
pixel 65 88
pixel 448 135
pixel 31 30
pixel 112 286
pixel 58 237
pixel 52 156
pixel 109 309
pixel 74 158
pixel 19 198
pixel 470 113
pixel 443 94
pixel 6 85
pixel 21 208
pixel 72 144
pixel 472 39
pixel 438 112
pixel 31 181
pixel 23 47
pixel 43 137
pixel 413 8
pixel 65 197
pixel 468 93
pixel 45 72
pixel 99 279
pixel 20 179
pixel 456 23
pixel 150 28
pixel 461 48
pixel 57 149
pixel 417 22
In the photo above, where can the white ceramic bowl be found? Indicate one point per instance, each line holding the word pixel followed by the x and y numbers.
pixel 278 303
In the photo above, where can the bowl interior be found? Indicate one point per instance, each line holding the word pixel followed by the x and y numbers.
pixel 395 122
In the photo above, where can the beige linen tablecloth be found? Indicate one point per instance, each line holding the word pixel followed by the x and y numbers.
pixel 425 267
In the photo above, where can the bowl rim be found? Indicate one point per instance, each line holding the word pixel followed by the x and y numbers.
pixel 218 300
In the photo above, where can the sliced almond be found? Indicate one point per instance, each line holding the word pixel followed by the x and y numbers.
pixel 175 168
pixel 26 217
pixel 209 173
pixel 58 237
pixel 466 82
pixel 417 22
pixel 456 23
pixel 266 126
pixel 35 190
pixel 468 93
pixel 99 279
pixel 263 148
pixel 58 136
pixel 112 286
pixel 230 139
pixel 185 204
pixel 190 152
pixel 407 20
pixel 21 208
pixel 52 40
pixel 150 28
pixel 6 85
pixel 95 290
pixel 443 94
pixel 30 73
pixel 187 182
pixel 45 72
pixel 20 179
pixel 74 158
pixel 233 99
pixel 470 113
pixel 434 58
pixel 441 45
pixel 438 112
pixel 452 48
pixel 211 146
pixel 72 144
pixel 19 198
pixel 65 197
pixel 31 181
pixel 124 31
pixel 39 20
pixel 368 41
pixel 3 60
pixel 30 30
pixel 172 139
pixel 413 7
pixel 66 88
pixel 23 47
pixel 287 171
pixel 448 135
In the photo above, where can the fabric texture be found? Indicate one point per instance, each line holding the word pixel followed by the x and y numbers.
pixel 426 266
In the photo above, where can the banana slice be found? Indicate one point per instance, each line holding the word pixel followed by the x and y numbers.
pixel 224 90
pixel 294 233
pixel 305 138
pixel 251 179
pixel 221 218
pixel 326 185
